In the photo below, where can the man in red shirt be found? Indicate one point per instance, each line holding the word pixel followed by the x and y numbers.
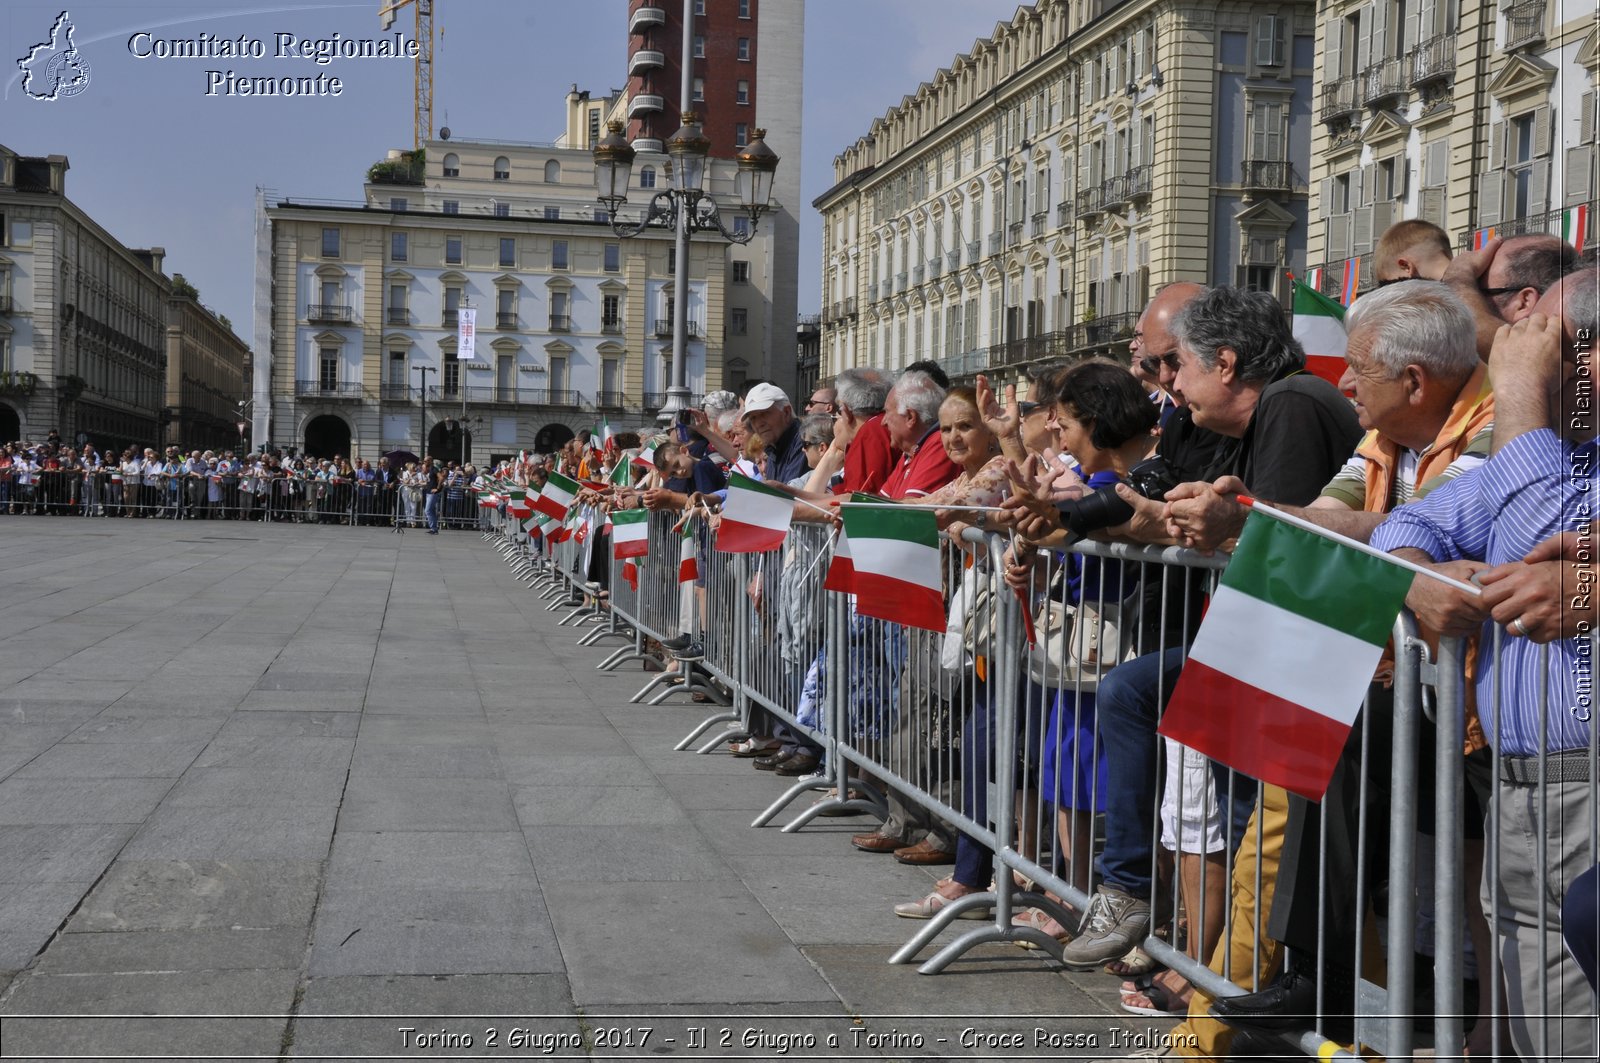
pixel 911 417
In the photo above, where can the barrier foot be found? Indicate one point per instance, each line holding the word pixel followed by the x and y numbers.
pixel 664 679
pixel 801 786
pixel 943 918
pixel 621 656
pixel 726 736
pixel 602 632
pixel 704 726
pixel 692 685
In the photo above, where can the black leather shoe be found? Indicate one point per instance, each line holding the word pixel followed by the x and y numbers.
pixel 771 761
pixel 1288 1003
pixel 802 763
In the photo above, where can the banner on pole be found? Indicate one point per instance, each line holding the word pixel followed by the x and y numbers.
pixel 466 332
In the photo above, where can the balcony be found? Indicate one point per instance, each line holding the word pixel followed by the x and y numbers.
pixel 916 275
pixel 1036 224
pixel 1090 201
pixel 972 252
pixel 654 400
pixel 1525 24
pixel 609 399
pixel 952 260
pixel 1063 215
pixel 611 326
pixel 505 396
pixel 995 242
pixel 645 59
pixel 1114 192
pixel 935 267
pixel 850 306
pixel 449 319
pixel 560 322
pixel 505 319
pixel 1550 222
pixel 963 367
pixel 646 17
pixel 350 391
pixel 395 393
pixel 1137 182
pixel 663 329
pixel 328 313
pixel 1014 234
pixel 1267 176
pixel 645 103
pixel 397 315
pixel 1107 330
pixel 900 280
pixel 17 382
pixel 1031 349
pixel 1383 81
pixel 1339 100
pixel 5 304
pixel 649 145
pixel 1433 60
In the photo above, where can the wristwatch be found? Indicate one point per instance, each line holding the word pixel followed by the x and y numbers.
pixel 981 520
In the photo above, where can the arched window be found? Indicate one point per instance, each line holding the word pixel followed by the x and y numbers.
pixel 452 165
pixel 502 169
pixel 647 177
pixel 552 172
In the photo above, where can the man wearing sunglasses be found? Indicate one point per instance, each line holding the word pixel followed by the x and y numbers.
pixel 1501 282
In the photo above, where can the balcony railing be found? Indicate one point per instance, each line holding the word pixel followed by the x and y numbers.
pixel 1104 331
pixel 395 393
pixel 935 267
pixel 1063 215
pixel 1091 201
pixel 398 315
pixel 609 398
pixel 1550 222
pixel 1339 99
pixel 1114 192
pixel 972 252
pixel 965 365
pixel 1030 349
pixel 916 275
pixel 850 304
pixel 900 281
pixel 1525 23
pixel 331 313
pixel 1137 182
pixel 645 17
pixel 1382 80
pixel 995 242
pixel 330 389
pixel 952 260
pixel 449 319
pixel 506 319
pixel 1036 224
pixel 505 396
pixel 1433 59
pixel 1014 234
pixel 654 400
pixel 645 103
pixel 1273 176
pixel 663 329
pixel 611 325
pixel 560 322
pixel 5 304
pixel 645 59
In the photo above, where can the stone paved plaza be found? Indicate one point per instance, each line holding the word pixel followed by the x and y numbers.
pixel 337 783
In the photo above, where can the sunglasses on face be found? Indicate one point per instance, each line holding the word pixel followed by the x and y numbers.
pixel 1152 363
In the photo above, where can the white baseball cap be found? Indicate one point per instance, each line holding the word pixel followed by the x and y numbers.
pixel 764 397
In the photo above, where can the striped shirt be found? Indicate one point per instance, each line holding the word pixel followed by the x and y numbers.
pixel 1536 486
pixel 1349 484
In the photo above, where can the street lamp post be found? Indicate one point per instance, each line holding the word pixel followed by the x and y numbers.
pixel 685 207
pixel 244 406
pixel 422 397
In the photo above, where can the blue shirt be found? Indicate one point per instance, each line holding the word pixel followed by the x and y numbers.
pixel 1534 487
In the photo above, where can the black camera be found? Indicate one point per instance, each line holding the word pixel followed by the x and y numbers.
pixel 1104 509
pixel 682 416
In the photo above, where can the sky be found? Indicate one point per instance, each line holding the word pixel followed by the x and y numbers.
pixel 158 162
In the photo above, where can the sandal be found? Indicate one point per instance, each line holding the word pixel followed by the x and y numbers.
pixel 1135 962
pixel 1041 921
pixel 1163 1002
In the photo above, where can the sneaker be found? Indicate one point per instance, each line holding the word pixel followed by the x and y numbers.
pixel 1115 923
pixel 692 652
pixel 677 642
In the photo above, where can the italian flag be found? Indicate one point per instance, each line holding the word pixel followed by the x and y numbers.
pixel 622 475
pixel 630 573
pixel 1575 226
pixel 518 502
pixel 630 533
pixel 755 518
pixel 534 524
pixel 1319 326
pixel 646 458
pixel 1284 656
pixel 841 575
pixel 895 554
pixel 688 559
pixel 557 496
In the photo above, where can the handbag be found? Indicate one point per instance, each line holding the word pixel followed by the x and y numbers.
pixel 1079 644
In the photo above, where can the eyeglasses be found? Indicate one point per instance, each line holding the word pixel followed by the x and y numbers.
pixel 1152 363
pixel 814 443
pixel 1503 291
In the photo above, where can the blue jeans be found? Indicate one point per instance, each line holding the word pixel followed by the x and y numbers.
pixel 430 511
pixel 1128 706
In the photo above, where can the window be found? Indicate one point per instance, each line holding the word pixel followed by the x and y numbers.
pixel 451 206
pixel 451 382
pixel 594 124
pixel 741 92
pixel 741 273
pixel 611 313
pixel 744 8
pixel 502 169
pixel 452 250
pixel 397 246
pixel 558 377
pixel 505 308
pixel 397 205
pixel 330 243
pixel 672 261
pixel 398 314
pixel 330 293
pixel 613 258
pixel 741 134
pixel 1266 130
pixel 452 305
pixel 452 165
pixel 744 49
pixel 647 177
pixel 738 321
pixel 697 91
pixel 741 225
pixel 560 316
pixel 552 172
pixel 699 47
pixel 602 215
pixel 1269 41
pixel 699 7
pixel 558 254
pixel 328 369
pixel 552 213
pixel 502 210
pixel 1521 185
pixel 397 372
pixel 508 251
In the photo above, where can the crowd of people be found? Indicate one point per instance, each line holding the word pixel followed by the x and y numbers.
pixel 1461 437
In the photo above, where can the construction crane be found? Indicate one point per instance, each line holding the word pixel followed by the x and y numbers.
pixel 422 106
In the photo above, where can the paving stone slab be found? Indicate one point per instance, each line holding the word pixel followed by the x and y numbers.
pixel 304 700
pixel 58 853
pixel 133 951
pixel 589 805
pixel 201 895
pixel 30 913
pixel 291 755
pixel 263 831
pixel 103 760
pixel 37 801
pixel 288 675
pixel 248 786
pixel 658 853
pixel 602 925
pixel 380 803
pixel 410 731
pixel 292 724
pixel 429 860
pixel 117 729
pixel 404 761
pixel 433 931
pixel 551 769
pixel 522 739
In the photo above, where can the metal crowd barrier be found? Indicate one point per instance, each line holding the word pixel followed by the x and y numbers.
pixel 980 733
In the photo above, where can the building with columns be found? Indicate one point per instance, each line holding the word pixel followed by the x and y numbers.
pixel 1479 118
pixel 1021 205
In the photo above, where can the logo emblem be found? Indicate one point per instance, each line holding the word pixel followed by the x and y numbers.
pixel 55 69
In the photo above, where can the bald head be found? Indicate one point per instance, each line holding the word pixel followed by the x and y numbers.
pixel 1524 268
pixel 1153 340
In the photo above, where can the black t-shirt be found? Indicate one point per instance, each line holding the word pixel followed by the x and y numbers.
pixel 1191 452
pixel 1303 432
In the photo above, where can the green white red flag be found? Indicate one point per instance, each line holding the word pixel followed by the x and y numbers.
pixel 518 503
pixel 557 495
pixel 841 573
pixel 1319 326
pixel 688 555
pixel 755 517
pixel 895 554
pixel 646 458
pixel 630 573
pixel 1282 662
pixel 630 532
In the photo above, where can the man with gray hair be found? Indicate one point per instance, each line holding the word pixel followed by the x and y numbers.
pixel 911 416
pixel 861 444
